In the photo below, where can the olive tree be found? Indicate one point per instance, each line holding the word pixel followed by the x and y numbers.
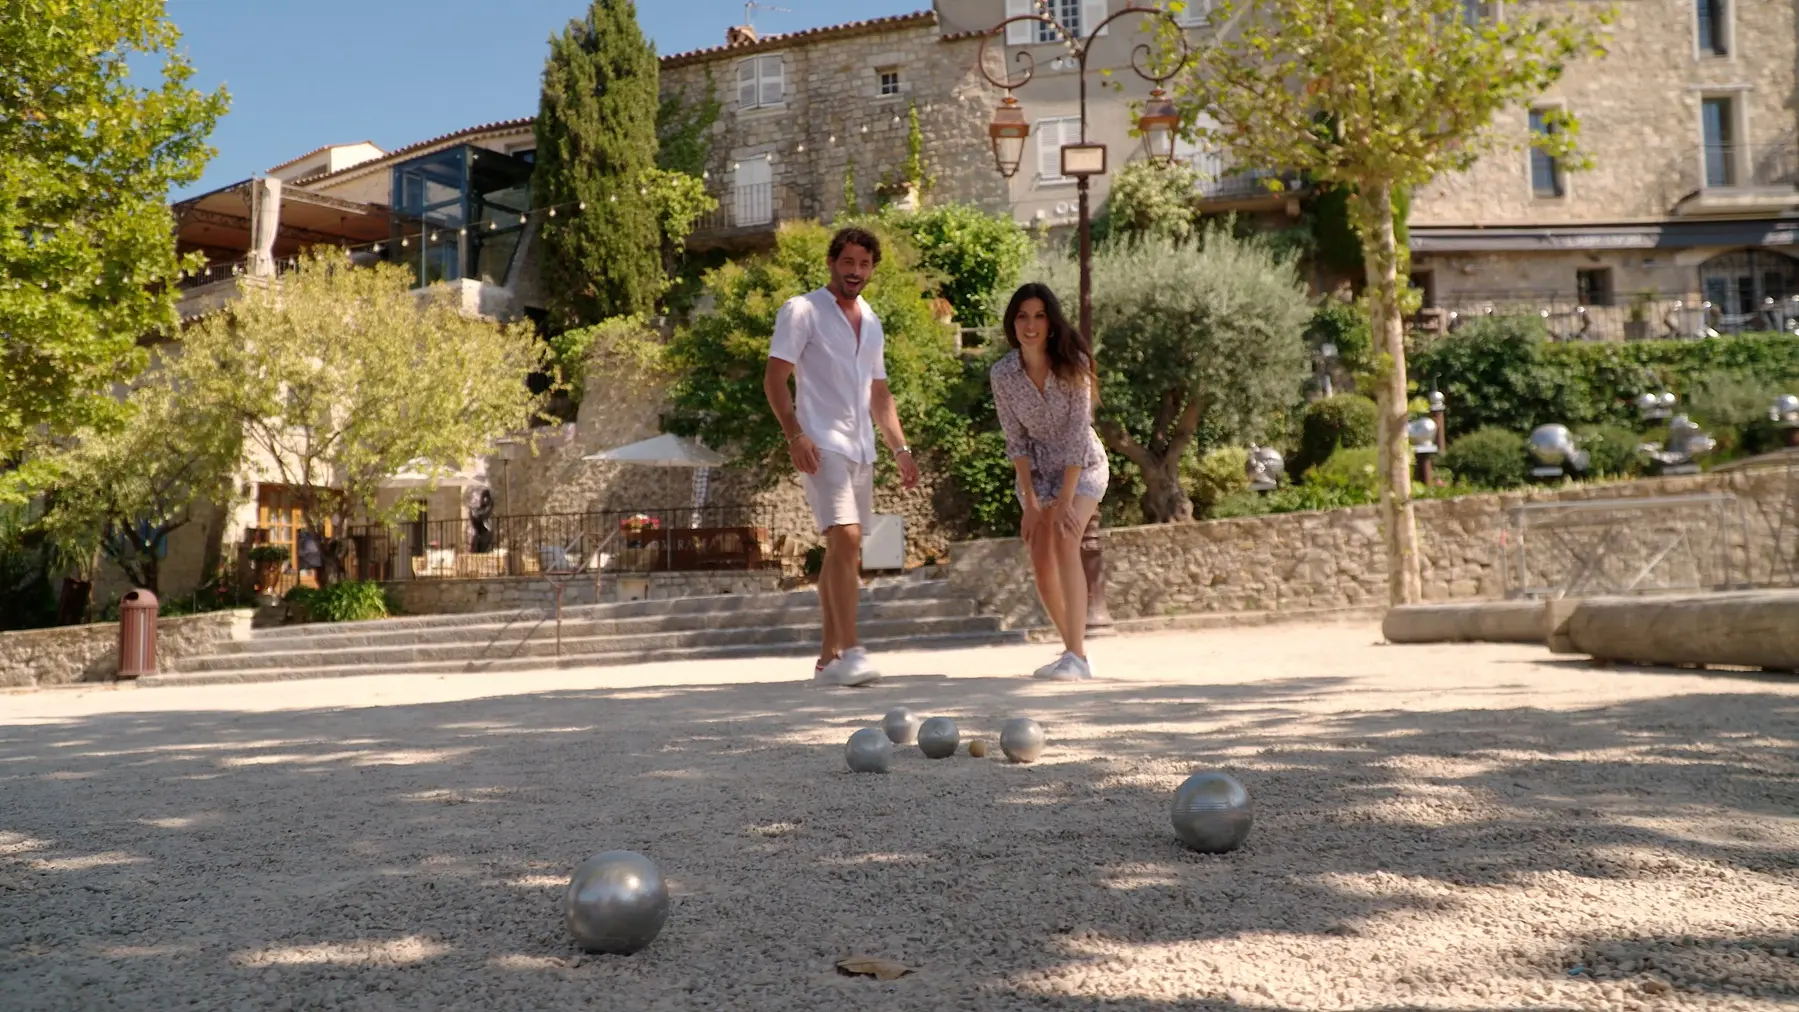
pixel 1191 338
pixel 1378 97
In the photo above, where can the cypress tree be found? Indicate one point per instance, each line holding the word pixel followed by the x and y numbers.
pixel 596 137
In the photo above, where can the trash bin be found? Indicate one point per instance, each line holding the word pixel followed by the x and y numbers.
pixel 137 634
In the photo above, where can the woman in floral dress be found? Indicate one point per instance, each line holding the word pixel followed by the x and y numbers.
pixel 1044 390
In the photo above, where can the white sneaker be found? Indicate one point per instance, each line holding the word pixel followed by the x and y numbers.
pixel 1068 668
pixel 1044 671
pixel 849 670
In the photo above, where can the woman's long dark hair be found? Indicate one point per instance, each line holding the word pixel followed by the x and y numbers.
pixel 1070 356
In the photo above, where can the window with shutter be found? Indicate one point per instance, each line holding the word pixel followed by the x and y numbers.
pixel 746 84
pixel 1092 13
pixel 774 80
pixel 1019 33
pixel 1051 135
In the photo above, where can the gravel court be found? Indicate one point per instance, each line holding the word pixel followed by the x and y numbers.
pixel 1466 827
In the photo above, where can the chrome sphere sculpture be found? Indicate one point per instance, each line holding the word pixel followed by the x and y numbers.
pixel 868 751
pixel 1265 467
pixel 1438 402
pixel 1211 812
pixel 1655 407
pixel 1021 740
pixel 1555 453
pixel 901 726
pixel 1423 435
pixel 616 903
pixel 1686 443
pixel 1785 412
pixel 938 738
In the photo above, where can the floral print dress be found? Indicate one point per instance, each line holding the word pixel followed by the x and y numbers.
pixel 1053 427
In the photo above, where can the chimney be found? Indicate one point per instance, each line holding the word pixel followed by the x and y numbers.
pixel 739 35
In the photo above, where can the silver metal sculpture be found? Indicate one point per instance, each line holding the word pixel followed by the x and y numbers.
pixel 868 751
pixel 1437 402
pixel 938 738
pixel 901 726
pixel 1422 432
pixel 1211 812
pixel 1656 407
pixel 1021 740
pixel 1265 467
pixel 1687 442
pixel 617 902
pixel 1785 411
pixel 1553 450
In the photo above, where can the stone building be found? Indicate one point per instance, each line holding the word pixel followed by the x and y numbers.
pixel 800 112
pixel 1693 198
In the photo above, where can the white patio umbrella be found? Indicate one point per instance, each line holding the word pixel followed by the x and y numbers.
pixel 668 450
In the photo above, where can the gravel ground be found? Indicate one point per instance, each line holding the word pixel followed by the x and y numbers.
pixel 1472 827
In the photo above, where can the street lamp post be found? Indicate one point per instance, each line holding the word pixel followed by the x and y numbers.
pixel 1159 122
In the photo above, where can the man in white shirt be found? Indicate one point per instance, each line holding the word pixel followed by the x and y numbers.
pixel 830 343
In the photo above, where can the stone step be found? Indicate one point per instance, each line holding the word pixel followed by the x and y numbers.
pixel 544 646
pixel 955 641
pixel 899 590
pixel 480 630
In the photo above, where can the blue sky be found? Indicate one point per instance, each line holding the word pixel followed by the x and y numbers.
pixel 302 75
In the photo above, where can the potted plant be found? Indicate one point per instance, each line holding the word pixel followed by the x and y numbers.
pixel 1636 325
pixel 267 561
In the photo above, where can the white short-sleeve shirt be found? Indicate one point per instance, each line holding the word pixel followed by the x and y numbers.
pixel 833 373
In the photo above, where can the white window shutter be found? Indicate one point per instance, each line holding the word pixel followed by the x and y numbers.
pixel 746 84
pixel 774 80
pixel 1049 149
pixel 1019 33
pixel 1092 13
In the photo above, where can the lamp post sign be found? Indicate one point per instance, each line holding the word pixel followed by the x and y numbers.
pixel 1159 124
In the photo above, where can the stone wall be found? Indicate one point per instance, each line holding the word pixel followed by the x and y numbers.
pixel 1639 110
pixel 445 597
pixel 1309 561
pixel 90 653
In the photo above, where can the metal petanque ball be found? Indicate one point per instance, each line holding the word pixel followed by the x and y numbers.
pixel 1211 812
pixel 938 738
pixel 617 902
pixel 868 751
pixel 901 726
pixel 1021 740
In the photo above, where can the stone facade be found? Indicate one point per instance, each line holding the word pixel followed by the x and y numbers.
pixel 832 115
pixel 1333 560
pixel 1644 219
pixel 90 653
pixel 447 597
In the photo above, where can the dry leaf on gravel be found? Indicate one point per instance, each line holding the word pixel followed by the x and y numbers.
pixel 873 966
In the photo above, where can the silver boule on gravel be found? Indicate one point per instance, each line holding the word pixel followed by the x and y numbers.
pixel 1021 740
pixel 938 738
pixel 868 751
pixel 901 726
pixel 1211 812
pixel 617 902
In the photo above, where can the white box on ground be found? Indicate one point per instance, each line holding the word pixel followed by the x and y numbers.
pixel 884 543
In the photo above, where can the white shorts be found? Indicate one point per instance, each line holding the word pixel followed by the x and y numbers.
pixel 841 493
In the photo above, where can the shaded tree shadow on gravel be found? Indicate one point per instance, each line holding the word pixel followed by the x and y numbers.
pixel 414 856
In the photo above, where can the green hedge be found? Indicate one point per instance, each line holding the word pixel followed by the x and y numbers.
pixel 1504 371
pixel 1343 422
pixel 1491 457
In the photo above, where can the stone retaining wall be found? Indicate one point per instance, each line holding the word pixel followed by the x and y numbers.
pixel 90 653
pixel 1336 559
pixel 442 597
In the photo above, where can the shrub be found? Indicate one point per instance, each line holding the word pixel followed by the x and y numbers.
pixel 1611 450
pixel 970 253
pixel 1214 476
pixel 1346 326
pixel 1331 424
pixel 1733 407
pixel 1351 470
pixel 1488 458
pixel 350 601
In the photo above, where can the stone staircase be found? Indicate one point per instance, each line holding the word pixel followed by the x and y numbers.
pixel 895 614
